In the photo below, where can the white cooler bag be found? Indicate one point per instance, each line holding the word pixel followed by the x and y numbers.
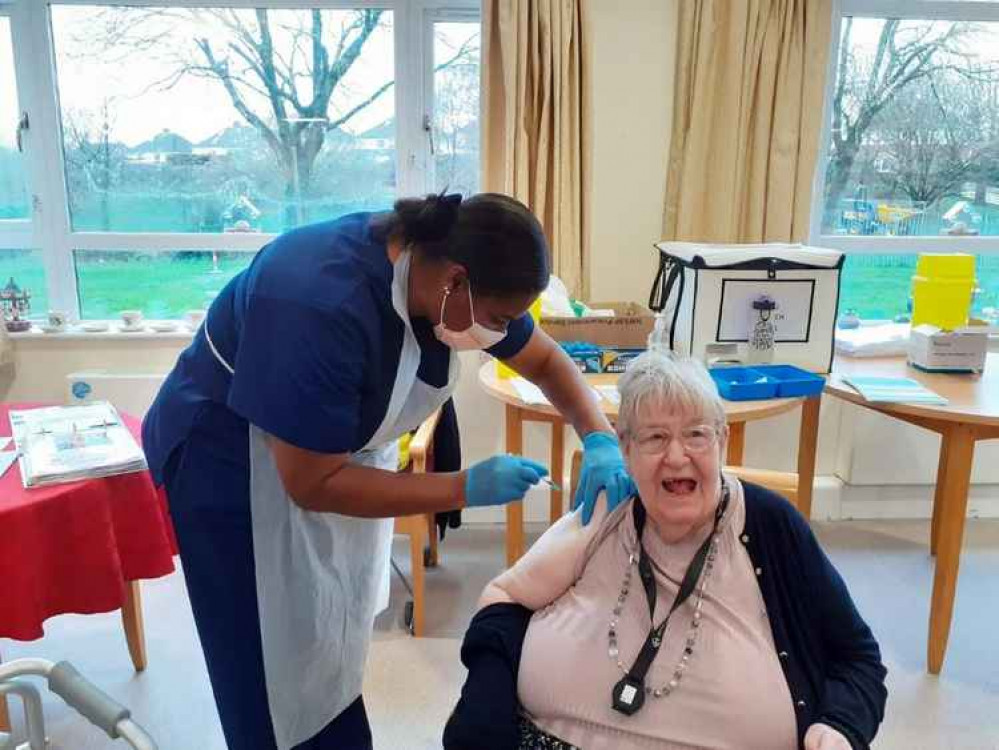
pixel 704 295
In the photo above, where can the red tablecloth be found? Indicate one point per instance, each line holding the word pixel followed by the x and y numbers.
pixel 71 547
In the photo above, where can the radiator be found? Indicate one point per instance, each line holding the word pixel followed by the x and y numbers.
pixel 131 393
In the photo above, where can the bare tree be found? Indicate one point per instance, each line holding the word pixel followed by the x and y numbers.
pixel 905 53
pixel 92 156
pixel 931 140
pixel 280 70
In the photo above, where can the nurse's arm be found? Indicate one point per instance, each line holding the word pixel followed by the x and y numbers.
pixel 330 483
pixel 543 362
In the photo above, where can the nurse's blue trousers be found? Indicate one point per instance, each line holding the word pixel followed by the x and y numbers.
pixel 209 497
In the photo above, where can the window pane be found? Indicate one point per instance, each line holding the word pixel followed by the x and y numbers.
pixel 13 195
pixel 915 130
pixel 217 119
pixel 162 285
pixel 26 269
pixel 879 287
pixel 456 106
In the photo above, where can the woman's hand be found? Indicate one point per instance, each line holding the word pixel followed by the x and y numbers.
pixel 603 469
pixel 824 737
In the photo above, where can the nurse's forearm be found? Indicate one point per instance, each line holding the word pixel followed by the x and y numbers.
pixel 569 392
pixel 328 483
pixel 374 493
pixel 543 362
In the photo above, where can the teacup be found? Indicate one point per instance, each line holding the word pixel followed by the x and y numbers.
pixel 193 318
pixel 57 319
pixel 131 318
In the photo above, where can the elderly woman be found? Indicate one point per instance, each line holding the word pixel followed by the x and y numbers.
pixel 701 614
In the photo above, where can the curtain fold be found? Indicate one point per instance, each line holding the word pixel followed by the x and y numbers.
pixel 535 121
pixel 747 118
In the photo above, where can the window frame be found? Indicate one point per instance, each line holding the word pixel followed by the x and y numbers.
pixel 938 10
pixel 50 230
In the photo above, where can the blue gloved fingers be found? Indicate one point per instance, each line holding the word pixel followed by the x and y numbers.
pixel 529 474
pixel 591 489
pixel 613 491
pixel 540 469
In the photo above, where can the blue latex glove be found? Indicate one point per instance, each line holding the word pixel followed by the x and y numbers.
pixel 500 480
pixel 603 468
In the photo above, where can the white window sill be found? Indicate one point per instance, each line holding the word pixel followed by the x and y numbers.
pixel 113 332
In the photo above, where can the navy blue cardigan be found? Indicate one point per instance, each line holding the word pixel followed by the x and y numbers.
pixel 829 656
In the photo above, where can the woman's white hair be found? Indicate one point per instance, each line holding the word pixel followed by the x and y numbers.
pixel 679 383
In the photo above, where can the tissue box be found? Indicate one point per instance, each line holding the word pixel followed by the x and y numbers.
pixel 936 350
pixel 616 360
pixel 585 356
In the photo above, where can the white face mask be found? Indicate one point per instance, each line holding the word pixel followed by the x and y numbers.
pixel 476 336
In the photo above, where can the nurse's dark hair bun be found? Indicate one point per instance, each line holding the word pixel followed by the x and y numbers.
pixel 429 219
pixel 495 237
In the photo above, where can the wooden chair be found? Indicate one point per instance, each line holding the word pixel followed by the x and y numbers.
pixel 782 482
pixel 421 529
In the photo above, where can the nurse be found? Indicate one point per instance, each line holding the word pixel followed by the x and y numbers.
pixel 275 436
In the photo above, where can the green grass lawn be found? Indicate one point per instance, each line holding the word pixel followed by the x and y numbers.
pixel 166 285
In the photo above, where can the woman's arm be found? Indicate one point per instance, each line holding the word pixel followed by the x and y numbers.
pixel 854 697
pixel 543 362
pixel 330 483
pixel 549 567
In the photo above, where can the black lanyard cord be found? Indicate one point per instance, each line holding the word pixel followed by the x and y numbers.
pixel 629 693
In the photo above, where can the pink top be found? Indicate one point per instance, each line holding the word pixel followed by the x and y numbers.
pixel 733 693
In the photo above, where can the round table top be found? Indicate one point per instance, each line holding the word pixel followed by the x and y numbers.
pixel 70 547
pixel 971 398
pixel 735 411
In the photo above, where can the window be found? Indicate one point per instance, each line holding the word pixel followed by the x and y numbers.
pixel 170 142
pixel 13 193
pixel 911 149
pixel 456 106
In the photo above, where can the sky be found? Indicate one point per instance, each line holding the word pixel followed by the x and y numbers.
pixel 196 108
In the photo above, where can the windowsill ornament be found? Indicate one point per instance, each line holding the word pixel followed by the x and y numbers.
pixel 16 303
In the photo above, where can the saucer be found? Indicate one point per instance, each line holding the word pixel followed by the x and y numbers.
pixel 131 329
pixel 53 329
pixel 94 326
pixel 164 326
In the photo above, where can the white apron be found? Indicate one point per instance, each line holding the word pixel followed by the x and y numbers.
pixel 322 577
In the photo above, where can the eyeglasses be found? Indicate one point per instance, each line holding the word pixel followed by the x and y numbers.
pixel 694 440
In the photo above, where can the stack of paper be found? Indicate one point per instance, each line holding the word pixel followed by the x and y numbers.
pixel 530 394
pixel 68 443
pixel 894 390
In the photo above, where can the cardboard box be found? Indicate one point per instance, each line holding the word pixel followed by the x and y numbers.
pixel 936 350
pixel 629 328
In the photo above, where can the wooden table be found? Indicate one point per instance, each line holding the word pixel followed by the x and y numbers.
pixel 737 413
pixel 972 414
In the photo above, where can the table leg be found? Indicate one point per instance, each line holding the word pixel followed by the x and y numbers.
pixel 514 511
pixel 419 578
pixel 808 438
pixel 954 506
pixel 556 507
pixel 4 715
pixel 938 501
pixel 736 443
pixel 131 618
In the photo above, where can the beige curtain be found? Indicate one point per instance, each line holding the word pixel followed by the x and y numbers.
pixel 535 121
pixel 747 119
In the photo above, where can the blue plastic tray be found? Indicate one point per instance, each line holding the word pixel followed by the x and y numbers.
pixel 793 381
pixel 766 381
pixel 743 383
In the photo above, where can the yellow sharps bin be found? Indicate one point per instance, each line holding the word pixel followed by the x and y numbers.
pixel 942 288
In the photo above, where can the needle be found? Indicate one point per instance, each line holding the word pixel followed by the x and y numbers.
pixel 551 484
